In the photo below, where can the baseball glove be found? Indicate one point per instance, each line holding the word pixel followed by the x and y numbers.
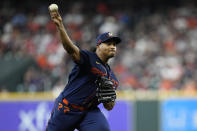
pixel 105 91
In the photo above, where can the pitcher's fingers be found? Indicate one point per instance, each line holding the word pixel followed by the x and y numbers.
pixel 54 14
pixel 58 13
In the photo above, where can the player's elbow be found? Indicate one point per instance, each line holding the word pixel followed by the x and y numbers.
pixel 74 52
pixel 76 57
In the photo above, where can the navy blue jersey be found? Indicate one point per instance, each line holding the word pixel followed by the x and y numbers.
pixel 81 87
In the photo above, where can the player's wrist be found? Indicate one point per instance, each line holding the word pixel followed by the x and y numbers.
pixel 60 26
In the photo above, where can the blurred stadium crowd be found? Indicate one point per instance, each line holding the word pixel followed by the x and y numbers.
pixel 158 51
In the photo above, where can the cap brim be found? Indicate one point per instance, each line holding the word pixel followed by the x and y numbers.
pixel 116 39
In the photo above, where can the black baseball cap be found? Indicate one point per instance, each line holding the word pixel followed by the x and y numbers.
pixel 107 36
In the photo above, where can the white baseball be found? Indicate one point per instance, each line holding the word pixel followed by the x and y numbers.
pixel 53 7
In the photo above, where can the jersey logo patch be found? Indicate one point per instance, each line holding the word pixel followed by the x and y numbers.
pixel 98 72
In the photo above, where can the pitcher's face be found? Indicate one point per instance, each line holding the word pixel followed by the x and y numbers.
pixel 108 49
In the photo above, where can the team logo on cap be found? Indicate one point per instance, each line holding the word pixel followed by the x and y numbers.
pixel 110 34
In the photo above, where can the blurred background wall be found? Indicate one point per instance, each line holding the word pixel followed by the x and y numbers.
pixel 156 61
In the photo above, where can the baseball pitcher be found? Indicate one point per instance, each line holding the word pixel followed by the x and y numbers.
pixel 91 83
